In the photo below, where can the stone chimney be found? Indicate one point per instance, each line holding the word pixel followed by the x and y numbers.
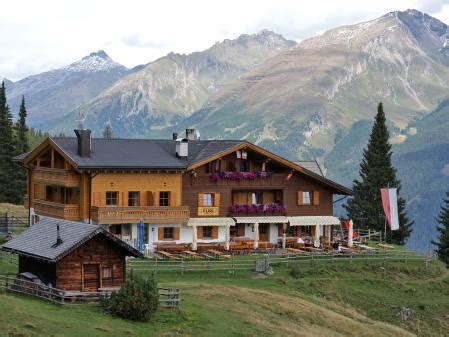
pixel 58 238
pixel 84 142
pixel 174 136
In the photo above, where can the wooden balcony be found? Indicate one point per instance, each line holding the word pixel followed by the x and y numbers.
pixel 111 215
pixel 57 210
pixel 61 177
pixel 275 180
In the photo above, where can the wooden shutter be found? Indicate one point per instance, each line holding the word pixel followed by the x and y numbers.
pixel 300 202
pixel 216 197
pixel 280 229
pixel 199 232
pixel 176 233
pixel 200 199
pixel 150 199
pixel 316 197
pixel 160 233
pixel 240 229
pixel 214 232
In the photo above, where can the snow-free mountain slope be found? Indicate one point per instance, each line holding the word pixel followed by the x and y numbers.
pixel 173 87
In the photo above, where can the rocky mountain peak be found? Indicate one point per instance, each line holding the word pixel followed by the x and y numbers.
pixel 94 62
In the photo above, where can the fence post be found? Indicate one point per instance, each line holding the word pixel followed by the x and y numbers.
pixel 155 264
pixel 288 256
pixel 233 264
pixel 182 265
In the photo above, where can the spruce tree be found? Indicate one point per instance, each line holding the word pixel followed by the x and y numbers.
pixel 21 146
pixel 443 237
pixel 376 172
pixel 107 132
pixel 7 167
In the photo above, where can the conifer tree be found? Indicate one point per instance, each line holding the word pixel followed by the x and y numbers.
pixel 376 172
pixel 7 176
pixel 107 132
pixel 443 237
pixel 21 146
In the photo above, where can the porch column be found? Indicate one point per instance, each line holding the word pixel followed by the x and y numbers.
pixel 194 237
pixel 316 242
pixel 284 235
pixel 256 235
pixel 227 236
pixel 350 233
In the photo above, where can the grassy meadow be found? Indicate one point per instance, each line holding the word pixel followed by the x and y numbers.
pixel 358 298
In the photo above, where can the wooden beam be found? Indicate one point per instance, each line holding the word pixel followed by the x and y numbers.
pixel 52 151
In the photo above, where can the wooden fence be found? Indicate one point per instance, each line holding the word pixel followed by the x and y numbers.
pixel 232 264
pixel 168 297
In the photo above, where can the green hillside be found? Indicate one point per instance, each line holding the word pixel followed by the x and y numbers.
pixel 328 299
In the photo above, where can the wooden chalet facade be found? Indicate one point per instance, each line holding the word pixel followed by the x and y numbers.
pixel 71 256
pixel 184 190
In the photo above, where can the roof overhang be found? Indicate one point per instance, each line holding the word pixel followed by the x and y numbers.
pixel 211 222
pixel 261 219
pixel 326 220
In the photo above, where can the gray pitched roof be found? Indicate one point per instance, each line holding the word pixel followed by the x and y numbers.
pixel 39 240
pixel 141 153
pixel 310 165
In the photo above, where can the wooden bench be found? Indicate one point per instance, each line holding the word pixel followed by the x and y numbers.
pixel 296 251
pixel 168 255
pixel 192 254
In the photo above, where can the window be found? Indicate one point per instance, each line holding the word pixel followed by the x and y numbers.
pixel 111 198
pixel 257 198
pixel 208 199
pixel 133 199
pixel 164 198
pixel 306 198
pixel 207 232
pixel 168 233
pixel 243 166
pixel 107 272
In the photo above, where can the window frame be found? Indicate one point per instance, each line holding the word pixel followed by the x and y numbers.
pixel 107 199
pixel 171 231
pixel 136 199
pixel 309 198
pixel 161 198
pixel 208 228
pixel 206 199
pixel 109 272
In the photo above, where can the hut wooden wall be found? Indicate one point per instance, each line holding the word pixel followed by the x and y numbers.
pixel 97 251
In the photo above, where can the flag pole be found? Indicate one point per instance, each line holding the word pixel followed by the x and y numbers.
pixel 385 222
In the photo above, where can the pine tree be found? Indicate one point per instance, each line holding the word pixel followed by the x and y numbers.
pixel 443 238
pixel 21 146
pixel 376 172
pixel 7 167
pixel 107 132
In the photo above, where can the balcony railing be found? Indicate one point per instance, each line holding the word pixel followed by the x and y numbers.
pixel 111 215
pixel 274 180
pixel 60 177
pixel 57 210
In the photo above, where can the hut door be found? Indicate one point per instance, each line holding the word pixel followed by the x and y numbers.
pixel 264 232
pixel 91 277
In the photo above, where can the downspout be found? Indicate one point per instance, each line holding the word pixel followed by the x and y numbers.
pixel 29 196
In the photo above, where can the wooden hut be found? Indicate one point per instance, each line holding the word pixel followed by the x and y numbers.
pixel 72 256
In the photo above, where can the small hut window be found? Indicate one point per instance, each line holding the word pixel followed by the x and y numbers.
pixel 111 198
pixel 107 273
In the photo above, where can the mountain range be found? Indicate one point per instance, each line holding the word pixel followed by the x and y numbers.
pixel 310 100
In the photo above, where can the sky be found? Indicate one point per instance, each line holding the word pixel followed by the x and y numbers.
pixel 37 36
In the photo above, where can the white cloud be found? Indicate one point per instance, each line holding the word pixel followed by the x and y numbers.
pixel 40 35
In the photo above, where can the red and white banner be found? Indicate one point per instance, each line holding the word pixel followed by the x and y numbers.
pixel 390 206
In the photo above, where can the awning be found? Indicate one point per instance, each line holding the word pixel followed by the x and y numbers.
pixel 261 219
pixel 313 220
pixel 211 222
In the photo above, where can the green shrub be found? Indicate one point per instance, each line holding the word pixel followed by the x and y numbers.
pixel 137 299
pixel 295 272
